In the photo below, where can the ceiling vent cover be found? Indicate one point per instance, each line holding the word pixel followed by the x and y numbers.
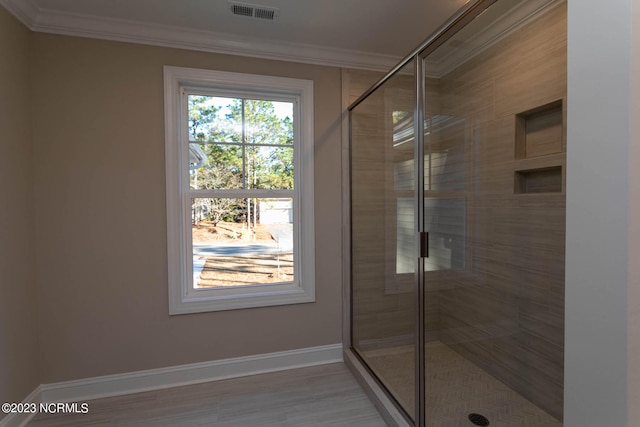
pixel 253 11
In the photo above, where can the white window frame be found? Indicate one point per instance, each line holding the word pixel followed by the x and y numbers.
pixel 183 297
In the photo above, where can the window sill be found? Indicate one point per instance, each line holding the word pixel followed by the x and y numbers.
pixel 204 300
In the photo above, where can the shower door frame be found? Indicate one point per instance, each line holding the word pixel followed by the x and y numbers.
pixel 382 398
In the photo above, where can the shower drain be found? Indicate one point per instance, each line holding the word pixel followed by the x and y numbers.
pixel 479 420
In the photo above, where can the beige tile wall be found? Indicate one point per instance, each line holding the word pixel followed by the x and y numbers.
pixel 507 314
pixel 381 317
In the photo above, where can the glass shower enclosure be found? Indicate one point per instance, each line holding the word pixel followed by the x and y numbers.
pixel 457 230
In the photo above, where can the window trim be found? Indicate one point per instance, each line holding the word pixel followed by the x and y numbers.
pixel 183 298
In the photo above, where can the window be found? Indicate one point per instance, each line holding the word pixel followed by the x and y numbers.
pixel 239 164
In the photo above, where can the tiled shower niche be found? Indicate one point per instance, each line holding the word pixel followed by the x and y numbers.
pixel 539 132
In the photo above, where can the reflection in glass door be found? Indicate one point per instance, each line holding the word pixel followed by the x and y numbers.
pixel 383 236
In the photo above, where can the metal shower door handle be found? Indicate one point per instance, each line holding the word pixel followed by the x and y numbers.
pixel 424 244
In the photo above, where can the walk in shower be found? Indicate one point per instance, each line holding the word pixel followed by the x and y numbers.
pixel 457 230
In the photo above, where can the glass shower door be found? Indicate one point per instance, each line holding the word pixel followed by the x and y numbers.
pixel 383 237
pixel 458 221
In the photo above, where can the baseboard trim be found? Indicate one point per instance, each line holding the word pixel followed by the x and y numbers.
pixel 175 376
pixel 20 420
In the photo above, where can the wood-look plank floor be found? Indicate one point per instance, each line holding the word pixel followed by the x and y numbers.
pixel 326 395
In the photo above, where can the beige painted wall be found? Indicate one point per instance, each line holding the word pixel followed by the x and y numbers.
pixel 101 239
pixel 18 315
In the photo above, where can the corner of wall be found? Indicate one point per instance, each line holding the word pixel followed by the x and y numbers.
pixel 633 333
pixel 19 368
pixel 597 315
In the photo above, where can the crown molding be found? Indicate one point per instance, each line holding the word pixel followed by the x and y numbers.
pixel 25 10
pixel 89 26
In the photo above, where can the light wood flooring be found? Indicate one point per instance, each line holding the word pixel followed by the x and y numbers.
pixel 326 395
pixel 455 388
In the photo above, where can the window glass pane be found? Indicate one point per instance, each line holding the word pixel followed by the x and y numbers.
pixel 268 122
pixel 215 119
pixel 270 167
pixel 242 242
pixel 215 166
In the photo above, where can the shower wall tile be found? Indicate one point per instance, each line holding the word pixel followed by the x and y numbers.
pixel 464 97
pixel 382 316
pixel 356 82
pixel 507 316
pixel 540 77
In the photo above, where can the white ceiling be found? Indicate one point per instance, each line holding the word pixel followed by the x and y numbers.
pixel 358 33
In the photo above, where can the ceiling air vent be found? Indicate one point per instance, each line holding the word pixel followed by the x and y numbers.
pixel 253 11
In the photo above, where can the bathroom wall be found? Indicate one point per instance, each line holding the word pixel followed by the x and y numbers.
pixel 602 356
pixel 505 309
pixel 19 373
pixel 101 240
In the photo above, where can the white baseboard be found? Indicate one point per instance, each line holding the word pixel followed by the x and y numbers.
pixel 154 379
pixel 20 420
pixel 175 376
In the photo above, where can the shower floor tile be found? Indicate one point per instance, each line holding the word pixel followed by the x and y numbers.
pixel 455 388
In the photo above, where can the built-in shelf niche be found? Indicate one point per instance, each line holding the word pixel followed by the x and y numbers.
pixel 539 132
pixel 541 180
